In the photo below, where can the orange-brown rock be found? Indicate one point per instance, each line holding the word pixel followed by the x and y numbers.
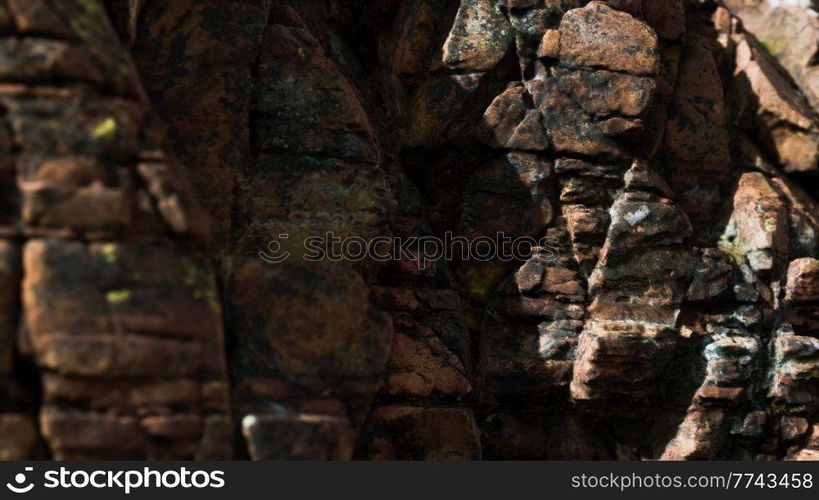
pixel 601 37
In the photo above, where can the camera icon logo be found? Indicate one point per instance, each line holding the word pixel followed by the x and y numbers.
pixel 20 479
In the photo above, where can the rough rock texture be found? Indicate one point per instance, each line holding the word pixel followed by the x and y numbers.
pixel 789 32
pixel 121 345
pixel 157 160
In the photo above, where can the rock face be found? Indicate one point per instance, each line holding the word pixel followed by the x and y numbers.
pixel 120 317
pixel 165 165
pixel 790 32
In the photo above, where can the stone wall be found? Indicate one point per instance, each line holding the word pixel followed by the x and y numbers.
pixel 153 149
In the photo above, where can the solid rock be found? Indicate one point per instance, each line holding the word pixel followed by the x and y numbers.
pixel 290 339
pixel 123 397
pixel 628 129
pixel 754 424
pixel 699 437
pixel 569 127
pixel 787 125
pixel 620 359
pixel 587 191
pixel 789 33
pixel 339 128
pixel 640 220
pixel 803 281
pixel 642 178
pixel 804 221
pixel 510 195
pixel 710 275
pixel 298 437
pixel 10 275
pixel 730 361
pixel 793 428
pixel 802 293
pixel 549 45
pixel 604 92
pixel 811 450
pixel 89 308
pixel 504 115
pixel 205 85
pixel 479 38
pixel 74 434
pixel 395 298
pixel 639 300
pixel 173 197
pixel 795 372
pixel 447 108
pixel 758 228
pixel 529 134
pixel 421 365
pixel 506 435
pixel 695 129
pixel 531 361
pixel 601 37
pixel 73 192
pixel 722 395
pixel 667 17
pixel 418 433
pixel 18 436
